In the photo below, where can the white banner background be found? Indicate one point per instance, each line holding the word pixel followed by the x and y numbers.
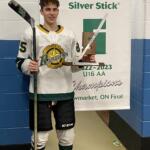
pixel 114 79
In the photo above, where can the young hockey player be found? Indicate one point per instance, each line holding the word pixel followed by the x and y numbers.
pixel 55 45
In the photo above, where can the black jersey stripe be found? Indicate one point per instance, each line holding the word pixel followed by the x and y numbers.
pixel 60 29
pixel 43 28
pixel 19 62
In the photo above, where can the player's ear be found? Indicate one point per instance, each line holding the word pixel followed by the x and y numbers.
pixel 41 11
pixel 58 10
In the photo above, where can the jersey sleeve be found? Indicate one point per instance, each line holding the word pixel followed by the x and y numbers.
pixel 75 49
pixel 24 53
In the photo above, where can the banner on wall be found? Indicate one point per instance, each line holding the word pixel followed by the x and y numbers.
pixel 101 87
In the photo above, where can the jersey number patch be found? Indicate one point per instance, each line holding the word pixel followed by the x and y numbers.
pixel 23 47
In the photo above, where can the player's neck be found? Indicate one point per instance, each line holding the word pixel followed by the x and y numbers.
pixel 51 27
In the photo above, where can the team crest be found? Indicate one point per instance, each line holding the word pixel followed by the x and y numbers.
pixel 53 56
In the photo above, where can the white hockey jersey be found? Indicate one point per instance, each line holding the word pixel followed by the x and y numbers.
pixel 52 49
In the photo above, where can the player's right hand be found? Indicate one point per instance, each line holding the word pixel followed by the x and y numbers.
pixel 33 66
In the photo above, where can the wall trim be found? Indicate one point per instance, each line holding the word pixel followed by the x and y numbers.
pixel 15 147
pixel 129 138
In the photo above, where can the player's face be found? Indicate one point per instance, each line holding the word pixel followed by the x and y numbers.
pixel 50 13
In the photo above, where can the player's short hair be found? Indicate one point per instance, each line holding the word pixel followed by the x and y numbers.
pixel 46 2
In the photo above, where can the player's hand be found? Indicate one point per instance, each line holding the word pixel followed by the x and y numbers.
pixel 88 58
pixel 33 66
pixel 92 58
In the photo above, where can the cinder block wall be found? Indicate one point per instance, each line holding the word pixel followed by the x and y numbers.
pixel 13 90
pixel 138 117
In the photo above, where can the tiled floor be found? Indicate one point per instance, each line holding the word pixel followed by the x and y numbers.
pixel 91 134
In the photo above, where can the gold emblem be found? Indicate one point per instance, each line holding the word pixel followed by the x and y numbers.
pixel 53 56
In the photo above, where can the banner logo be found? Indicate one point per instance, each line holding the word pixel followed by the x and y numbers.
pixel 99 45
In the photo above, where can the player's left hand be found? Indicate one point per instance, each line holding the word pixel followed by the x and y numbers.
pixel 89 58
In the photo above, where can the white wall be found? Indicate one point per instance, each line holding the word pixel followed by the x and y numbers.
pixel 11 24
pixel 137 20
pixel 147 19
pixel 140 19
